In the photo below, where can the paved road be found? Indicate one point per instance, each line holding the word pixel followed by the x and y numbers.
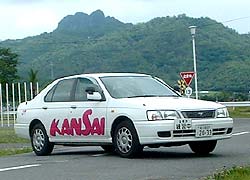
pixel 89 163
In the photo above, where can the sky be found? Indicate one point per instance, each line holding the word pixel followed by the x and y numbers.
pixel 23 18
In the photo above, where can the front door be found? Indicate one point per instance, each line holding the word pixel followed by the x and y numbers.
pixel 89 116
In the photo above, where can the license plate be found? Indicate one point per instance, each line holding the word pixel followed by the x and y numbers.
pixel 204 131
pixel 183 124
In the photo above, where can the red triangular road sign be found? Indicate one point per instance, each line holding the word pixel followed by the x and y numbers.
pixel 187 77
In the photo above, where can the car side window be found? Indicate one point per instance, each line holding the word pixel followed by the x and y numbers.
pixel 63 91
pixel 81 86
pixel 48 97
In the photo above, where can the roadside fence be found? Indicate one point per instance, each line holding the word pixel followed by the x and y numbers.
pixel 11 95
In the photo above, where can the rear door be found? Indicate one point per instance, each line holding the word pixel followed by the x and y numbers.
pixel 57 108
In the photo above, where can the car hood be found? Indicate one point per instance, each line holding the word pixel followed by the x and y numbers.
pixel 175 103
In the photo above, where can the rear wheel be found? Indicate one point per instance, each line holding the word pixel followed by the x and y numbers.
pixel 203 147
pixel 40 141
pixel 126 141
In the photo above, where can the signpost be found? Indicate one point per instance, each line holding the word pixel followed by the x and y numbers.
pixel 188 91
pixel 187 78
pixel 182 86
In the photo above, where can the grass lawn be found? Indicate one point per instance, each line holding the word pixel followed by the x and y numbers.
pixel 236 173
pixel 7 136
pixel 239 112
pixel 13 151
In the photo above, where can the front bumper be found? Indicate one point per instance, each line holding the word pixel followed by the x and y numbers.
pixel 163 132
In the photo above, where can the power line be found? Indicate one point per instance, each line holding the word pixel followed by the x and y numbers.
pixel 227 21
pixel 236 19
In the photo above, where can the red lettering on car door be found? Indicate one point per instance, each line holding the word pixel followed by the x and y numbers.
pixel 75 125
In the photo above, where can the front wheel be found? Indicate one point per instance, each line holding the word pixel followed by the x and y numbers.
pixel 203 147
pixel 126 141
pixel 40 141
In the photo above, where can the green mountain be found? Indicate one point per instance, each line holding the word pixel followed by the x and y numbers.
pixel 88 26
pixel 162 47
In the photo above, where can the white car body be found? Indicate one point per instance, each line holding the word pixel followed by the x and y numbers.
pixel 92 122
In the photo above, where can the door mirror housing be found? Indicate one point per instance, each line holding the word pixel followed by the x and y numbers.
pixel 90 90
pixel 94 96
pixel 94 93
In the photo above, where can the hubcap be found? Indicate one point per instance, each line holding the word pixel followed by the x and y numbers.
pixel 124 140
pixel 38 139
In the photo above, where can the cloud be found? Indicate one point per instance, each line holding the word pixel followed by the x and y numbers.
pixel 21 18
pixel 21 2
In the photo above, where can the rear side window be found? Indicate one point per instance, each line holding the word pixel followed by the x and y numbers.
pixel 48 97
pixel 62 92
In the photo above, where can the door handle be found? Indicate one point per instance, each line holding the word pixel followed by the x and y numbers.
pixel 44 107
pixel 73 106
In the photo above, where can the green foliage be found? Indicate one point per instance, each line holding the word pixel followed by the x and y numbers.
pixel 33 76
pixel 161 47
pixel 224 96
pixel 13 151
pixel 236 173
pixel 239 112
pixel 8 63
pixel 8 138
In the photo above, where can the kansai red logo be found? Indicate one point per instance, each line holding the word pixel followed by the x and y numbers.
pixel 79 126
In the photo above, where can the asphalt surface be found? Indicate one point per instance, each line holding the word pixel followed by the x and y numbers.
pixel 70 163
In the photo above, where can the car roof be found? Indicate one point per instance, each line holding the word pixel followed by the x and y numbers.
pixel 99 75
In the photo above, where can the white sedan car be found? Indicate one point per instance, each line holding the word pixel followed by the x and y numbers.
pixel 120 112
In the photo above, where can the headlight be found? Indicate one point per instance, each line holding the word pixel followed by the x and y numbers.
pixel 222 113
pixel 162 115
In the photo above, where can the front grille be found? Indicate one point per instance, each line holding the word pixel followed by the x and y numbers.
pixel 199 114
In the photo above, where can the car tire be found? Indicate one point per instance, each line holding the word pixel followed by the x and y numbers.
pixel 40 141
pixel 126 141
pixel 203 147
pixel 108 148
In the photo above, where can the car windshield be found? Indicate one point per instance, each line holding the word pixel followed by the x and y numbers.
pixel 136 86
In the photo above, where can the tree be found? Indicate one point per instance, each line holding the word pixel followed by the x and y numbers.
pixel 33 76
pixel 8 63
pixel 33 79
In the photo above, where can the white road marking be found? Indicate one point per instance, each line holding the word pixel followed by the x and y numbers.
pixel 241 133
pixel 19 167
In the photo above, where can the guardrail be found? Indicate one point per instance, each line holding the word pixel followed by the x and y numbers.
pixel 236 104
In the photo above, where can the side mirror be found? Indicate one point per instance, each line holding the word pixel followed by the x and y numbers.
pixel 94 93
pixel 94 96
pixel 90 90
